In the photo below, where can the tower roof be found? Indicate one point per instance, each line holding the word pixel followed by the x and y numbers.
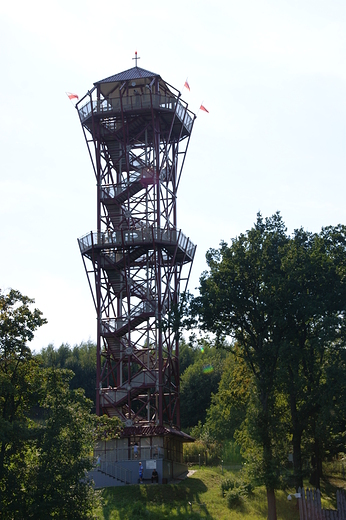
pixel 134 73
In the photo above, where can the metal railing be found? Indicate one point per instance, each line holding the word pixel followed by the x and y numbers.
pixel 125 454
pixel 144 378
pixel 135 102
pixel 112 191
pixel 114 324
pixel 137 237
pixel 141 177
pixel 116 471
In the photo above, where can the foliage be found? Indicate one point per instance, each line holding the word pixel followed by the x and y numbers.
pixel 59 486
pixel 235 497
pixel 282 299
pixel 187 355
pixel 203 450
pixel 198 382
pixel 106 428
pixel 46 429
pixel 19 387
pixel 314 266
pixel 228 406
pixel 231 453
pixel 243 295
pixel 81 359
pixel 235 489
pixel 229 483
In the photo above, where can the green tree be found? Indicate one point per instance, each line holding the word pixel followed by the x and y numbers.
pixel 46 428
pixel 283 299
pixel 242 295
pixel 325 436
pixel 314 268
pixel 19 386
pixel 81 359
pixel 187 355
pixel 59 485
pixel 198 382
pixel 228 406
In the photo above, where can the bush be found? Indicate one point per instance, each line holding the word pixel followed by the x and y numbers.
pixel 235 490
pixel 229 483
pixel 139 511
pixel 248 488
pixel 235 497
pixel 210 452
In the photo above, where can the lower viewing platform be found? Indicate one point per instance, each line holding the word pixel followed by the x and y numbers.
pixel 173 240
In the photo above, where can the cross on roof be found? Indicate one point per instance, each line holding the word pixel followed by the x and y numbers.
pixel 135 58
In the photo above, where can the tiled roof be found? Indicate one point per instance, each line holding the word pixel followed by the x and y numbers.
pixel 147 431
pixel 134 73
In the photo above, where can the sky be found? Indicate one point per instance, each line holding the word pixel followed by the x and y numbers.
pixel 272 75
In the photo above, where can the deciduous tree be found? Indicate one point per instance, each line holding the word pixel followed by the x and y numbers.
pixel 242 295
pixel 282 298
pixel 19 390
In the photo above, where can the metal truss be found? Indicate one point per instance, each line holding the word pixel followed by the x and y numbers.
pixel 138 261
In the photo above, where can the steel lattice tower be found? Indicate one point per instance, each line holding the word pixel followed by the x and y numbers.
pixel 138 261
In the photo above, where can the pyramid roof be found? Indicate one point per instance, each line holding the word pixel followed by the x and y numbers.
pixel 129 74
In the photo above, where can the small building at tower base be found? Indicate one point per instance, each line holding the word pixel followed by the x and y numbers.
pixel 158 448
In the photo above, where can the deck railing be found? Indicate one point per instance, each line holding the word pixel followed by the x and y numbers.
pixel 119 454
pixel 135 102
pixel 135 237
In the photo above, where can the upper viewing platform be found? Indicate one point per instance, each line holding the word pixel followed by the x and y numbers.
pixel 134 91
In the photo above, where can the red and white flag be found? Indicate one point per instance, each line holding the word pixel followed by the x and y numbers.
pixel 72 96
pixel 202 107
pixel 186 85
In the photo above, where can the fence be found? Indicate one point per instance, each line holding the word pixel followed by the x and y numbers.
pixel 310 507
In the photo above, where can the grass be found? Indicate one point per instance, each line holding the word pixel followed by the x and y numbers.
pixel 171 501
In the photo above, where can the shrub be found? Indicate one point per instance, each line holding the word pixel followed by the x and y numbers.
pixel 235 490
pixel 229 483
pixel 235 497
pixel 139 511
pixel 248 488
pixel 210 453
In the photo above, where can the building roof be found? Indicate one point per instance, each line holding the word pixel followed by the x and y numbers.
pixel 134 73
pixel 148 431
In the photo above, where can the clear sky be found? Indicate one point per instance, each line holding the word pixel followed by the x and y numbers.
pixel 272 74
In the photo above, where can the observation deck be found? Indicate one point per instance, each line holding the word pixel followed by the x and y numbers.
pixel 111 109
pixel 173 241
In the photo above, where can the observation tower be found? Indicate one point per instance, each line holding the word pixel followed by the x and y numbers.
pixel 138 261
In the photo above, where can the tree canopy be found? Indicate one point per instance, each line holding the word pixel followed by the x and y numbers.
pixel 282 299
pixel 81 359
pixel 47 429
pixel 198 382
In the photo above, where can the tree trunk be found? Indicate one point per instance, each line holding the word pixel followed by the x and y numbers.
pixel 316 473
pixel 298 426
pixel 297 458
pixel 271 501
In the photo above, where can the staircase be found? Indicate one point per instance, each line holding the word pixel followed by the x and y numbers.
pixel 110 474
